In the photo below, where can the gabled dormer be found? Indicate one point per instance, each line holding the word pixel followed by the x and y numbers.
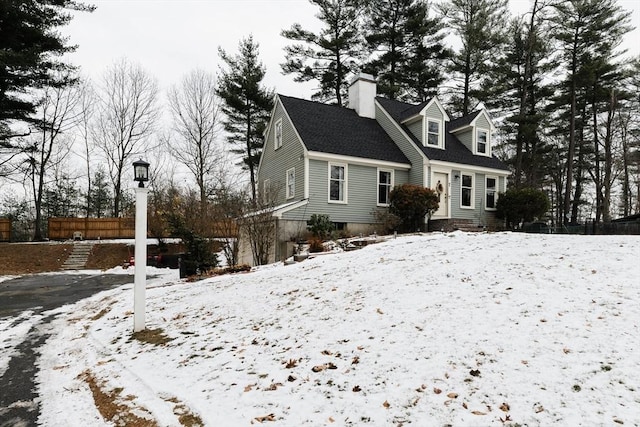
pixel 475 131
pixel 427 122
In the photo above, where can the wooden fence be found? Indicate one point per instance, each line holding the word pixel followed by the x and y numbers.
pixel 115 228
pixel 5 230
pixel 92 228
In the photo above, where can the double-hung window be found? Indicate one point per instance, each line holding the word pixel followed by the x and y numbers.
pixel 385 182
pixel 433 132
pixel 291 183
pixel 491 192
pixel 337 183
pixel 277 140
pixel 482 141
pixel 466 191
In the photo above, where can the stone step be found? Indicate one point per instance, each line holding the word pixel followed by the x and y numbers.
pixel 78 257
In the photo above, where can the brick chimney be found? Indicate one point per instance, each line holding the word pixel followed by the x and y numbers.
pixel 362 93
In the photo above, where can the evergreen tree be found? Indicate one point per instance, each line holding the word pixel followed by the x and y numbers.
pixel 100 199
pixel 519 90
pixel 329 56
pixel 247 104
pixel 480 25
pixel 407 47
pixel 587 31
pixel 30 46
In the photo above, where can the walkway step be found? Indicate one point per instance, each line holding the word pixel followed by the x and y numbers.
pixel 78 257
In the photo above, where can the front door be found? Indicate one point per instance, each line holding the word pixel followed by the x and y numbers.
pixel 441 187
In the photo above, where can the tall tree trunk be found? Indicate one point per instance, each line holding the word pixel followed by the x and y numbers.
pixel 572 131
pixel 608 159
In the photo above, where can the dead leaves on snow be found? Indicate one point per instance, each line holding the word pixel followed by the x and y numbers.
pixel 268 417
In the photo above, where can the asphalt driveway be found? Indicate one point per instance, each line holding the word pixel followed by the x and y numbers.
pixel 18 399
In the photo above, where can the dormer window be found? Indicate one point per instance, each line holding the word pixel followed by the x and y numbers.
pixel 482 142
pixel 434 132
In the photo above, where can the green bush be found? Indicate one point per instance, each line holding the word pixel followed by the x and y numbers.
pixel 320 225
pixel 525 204
pixel 411 203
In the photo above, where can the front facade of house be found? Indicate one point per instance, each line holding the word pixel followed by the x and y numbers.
pixel 343 162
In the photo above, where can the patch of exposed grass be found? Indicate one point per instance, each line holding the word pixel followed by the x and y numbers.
pixel 108 403
pixel 151 336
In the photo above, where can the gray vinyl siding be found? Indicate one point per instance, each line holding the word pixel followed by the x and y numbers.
pixel 362 194
pixel 466 138
pixel 434 112
pixel 478 214
pixel 416 173
pixel 417 130
pixel 482 122
pixel 275 163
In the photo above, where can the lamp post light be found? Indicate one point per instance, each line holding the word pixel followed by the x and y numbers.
pixel 141 175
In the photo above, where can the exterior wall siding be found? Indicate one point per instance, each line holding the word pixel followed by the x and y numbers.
pixel 479 215
pixel 482 122
pixel 416 129
pixel 434 112
pixel 466 138
pixel 275 163
pixel 362 194
pixel 416 173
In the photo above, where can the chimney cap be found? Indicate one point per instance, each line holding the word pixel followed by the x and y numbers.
pixel 363 76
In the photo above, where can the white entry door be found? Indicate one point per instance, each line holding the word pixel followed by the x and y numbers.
pixel 440 185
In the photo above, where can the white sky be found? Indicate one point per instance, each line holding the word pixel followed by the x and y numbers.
pixel 169 38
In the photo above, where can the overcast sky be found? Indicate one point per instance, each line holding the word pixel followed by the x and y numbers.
pixel 169 38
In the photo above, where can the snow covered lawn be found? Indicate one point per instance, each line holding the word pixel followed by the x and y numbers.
pixel 435 329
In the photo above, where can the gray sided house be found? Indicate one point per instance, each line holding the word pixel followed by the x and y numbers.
pixel 343 162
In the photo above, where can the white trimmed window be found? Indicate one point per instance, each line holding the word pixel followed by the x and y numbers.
pixel 266 190
pixel 491 190
pixel 337 183
pixel 277 139
pixel 291 183
pixel 482 141
pixel 466 191
pixel 385 183
pixel 434 132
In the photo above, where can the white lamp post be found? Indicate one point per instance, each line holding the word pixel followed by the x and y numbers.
pixel 141 175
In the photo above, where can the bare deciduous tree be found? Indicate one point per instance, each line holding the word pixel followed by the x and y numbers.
pixel 59 113
pixel 195 110
pixel 127 111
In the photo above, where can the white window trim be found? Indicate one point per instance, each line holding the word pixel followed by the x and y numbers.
pixel 346 181
pixel 277 142
pixel 488 144
pixel 486 190
pixel 291 194
pixel 266 189
pixel 426 132
pixel 473 186
pixel 391 184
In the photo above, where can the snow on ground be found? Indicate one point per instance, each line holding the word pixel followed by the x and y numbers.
pixel 435 329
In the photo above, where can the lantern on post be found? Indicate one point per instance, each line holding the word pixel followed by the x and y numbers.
pixel 141 175
pixel 140 172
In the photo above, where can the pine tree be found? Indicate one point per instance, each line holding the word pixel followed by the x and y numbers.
pixel 30 47
pixel 407 48
pixel 519 90
pixel 331 55
pixel 586 32
pixel 247 104
pixel 480 26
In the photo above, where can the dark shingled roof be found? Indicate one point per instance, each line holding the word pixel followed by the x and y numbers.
pixel 338 130
pixel 462 121
pixel 454 151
